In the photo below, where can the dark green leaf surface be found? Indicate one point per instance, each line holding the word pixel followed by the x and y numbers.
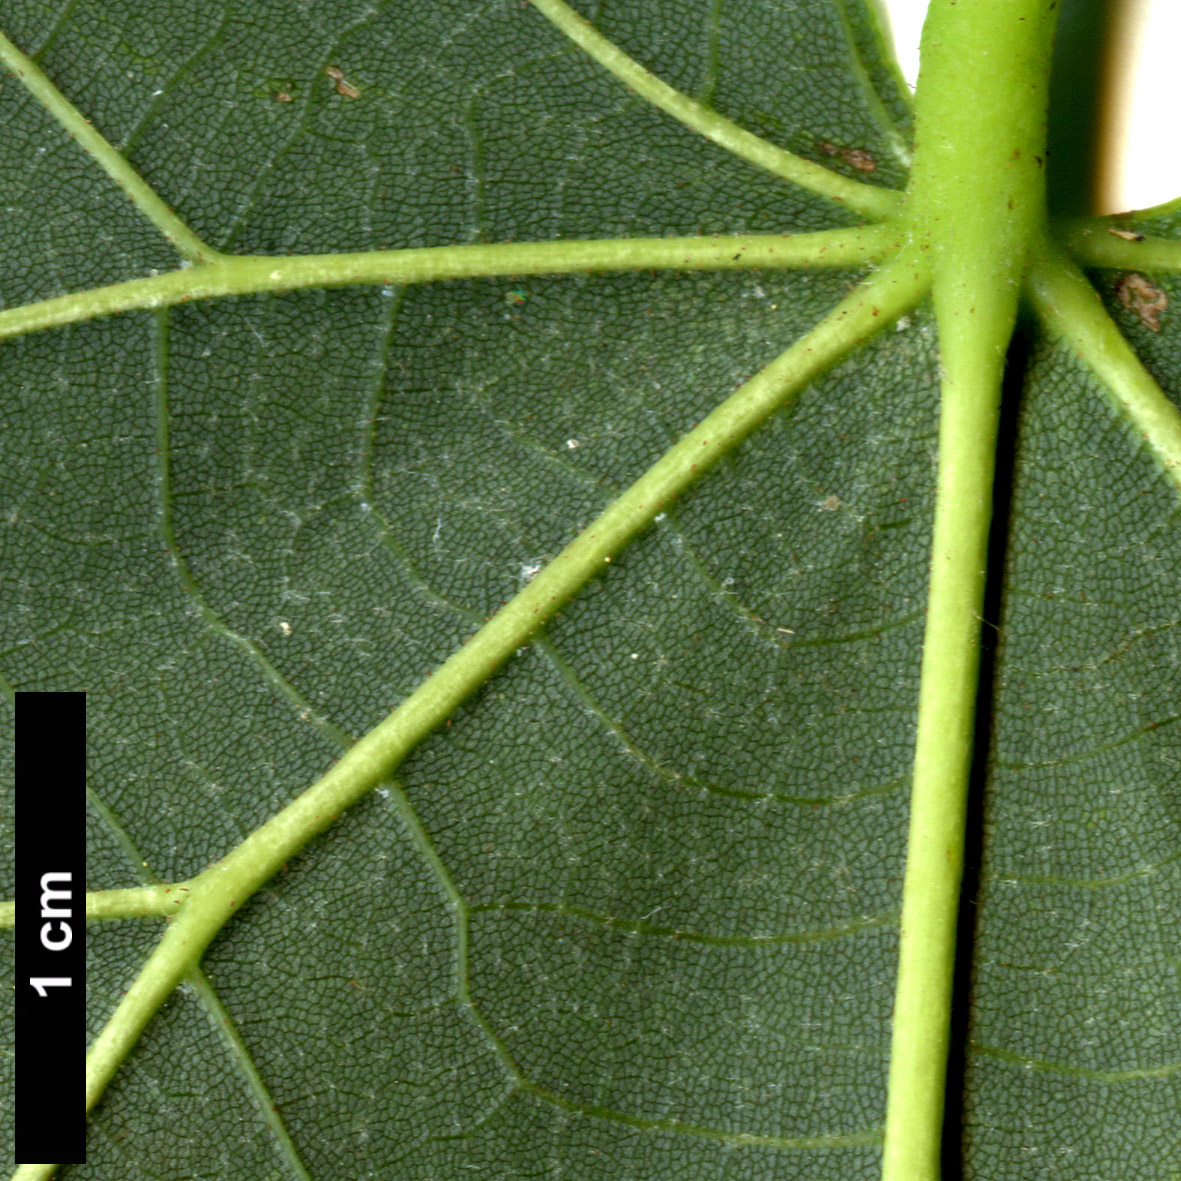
pixel 1076 1029
pixel 661 852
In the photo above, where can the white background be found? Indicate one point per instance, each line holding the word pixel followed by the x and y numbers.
pixel 1145 153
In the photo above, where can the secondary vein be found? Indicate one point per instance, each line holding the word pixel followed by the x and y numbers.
pixel 251 274
pixel 221 889
pixel 1074 312
pixel 867 200
pixel 112 162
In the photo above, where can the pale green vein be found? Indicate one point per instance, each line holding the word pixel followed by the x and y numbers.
pixel 225 886
pixel 1075 314
pixel 867 90
pixel 1137 735
pixel 37 1172
pixel 864 199
pixel 251 274
pixel 1168 1070
pixel 977 195
pixel 1093 242
pixel 772 635
pixel 678 779
pixel 143 196
pixel 153 900
pixel 869 1138
pixel 244 1064
pixel 769 633
pixel 887 918
pixel 136 902
pixel 211 619
pixel 1148 870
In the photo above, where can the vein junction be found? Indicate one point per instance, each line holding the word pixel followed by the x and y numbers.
pixel 904 276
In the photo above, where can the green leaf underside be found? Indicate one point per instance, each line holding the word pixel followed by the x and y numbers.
pixel 632 913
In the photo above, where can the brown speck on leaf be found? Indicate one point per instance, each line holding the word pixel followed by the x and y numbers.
pixel 1145 299
pixel 855 157
pixel 281 96
pixel 343 88
pixel 1127 235
pixel 831 503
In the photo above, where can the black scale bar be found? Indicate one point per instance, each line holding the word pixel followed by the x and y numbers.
pixel 50 928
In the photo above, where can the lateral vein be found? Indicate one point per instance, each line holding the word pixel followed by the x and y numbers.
pixel 112 162
pixel 252 274
pixel 868 200
pixel 222 889
pixel 1074 312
